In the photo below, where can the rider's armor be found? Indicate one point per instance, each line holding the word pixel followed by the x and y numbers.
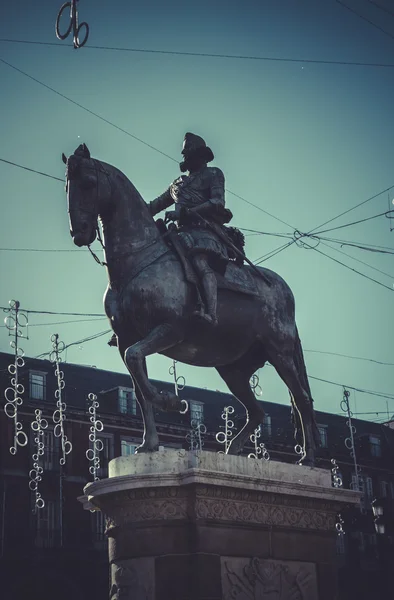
pixel 205 188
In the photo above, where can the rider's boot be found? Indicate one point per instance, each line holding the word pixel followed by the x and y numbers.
pixel 209 285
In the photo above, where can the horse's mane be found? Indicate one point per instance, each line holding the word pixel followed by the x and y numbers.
pixel 118 174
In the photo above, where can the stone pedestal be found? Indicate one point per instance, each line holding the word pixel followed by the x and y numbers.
pixel 205 526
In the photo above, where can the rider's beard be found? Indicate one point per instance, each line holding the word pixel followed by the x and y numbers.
pixel 191 163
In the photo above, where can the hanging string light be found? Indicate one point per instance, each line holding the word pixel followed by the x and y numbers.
pixel 223 437
pixel 254 383
pixel 179 380
pixel 95 444
pixel 16 321
pixel 335 476
pixel 59 414
pixel 195 435
pixel 260 451
pixel 35 474
pixel 349 441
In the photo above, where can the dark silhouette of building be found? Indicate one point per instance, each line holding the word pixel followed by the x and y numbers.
pixel 60 550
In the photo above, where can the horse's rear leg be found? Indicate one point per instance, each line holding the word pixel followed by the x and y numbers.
pixel 288 372
pixel 237 377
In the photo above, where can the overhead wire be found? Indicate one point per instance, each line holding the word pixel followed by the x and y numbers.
pixel 389 275
pixel 206 54
pixel 351 268
pixel 379 362
pixel 360 245
pixel 86 109
pixel 386 10
pixel 365 19
pixel 361 390
pixel 385 213
pixel 28 169
pixel 78 342
pixel 62 322
pixel 352 208
pixel 49 312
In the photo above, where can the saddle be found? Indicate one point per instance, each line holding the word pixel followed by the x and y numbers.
pixel 236 278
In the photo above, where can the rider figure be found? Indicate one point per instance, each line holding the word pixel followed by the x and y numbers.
pixel 199 209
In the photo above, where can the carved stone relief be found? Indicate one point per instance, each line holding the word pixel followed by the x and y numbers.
pixel 220 503
pixel 262 579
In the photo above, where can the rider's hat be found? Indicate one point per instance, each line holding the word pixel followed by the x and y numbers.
pixel 193 143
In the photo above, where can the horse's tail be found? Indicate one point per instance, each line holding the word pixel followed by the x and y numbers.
pixel 300 365
pixel 301 368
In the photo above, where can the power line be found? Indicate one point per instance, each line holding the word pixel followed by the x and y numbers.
pixel 365 19
pixel 379 362
pixel 82 341
pixel 48 312
pixel 28 169
pixel 389 275
pixel 261 209
pixel 207 55
pixel 62 322
pixel 86 109
pixel 272 253
pixel 351 269
pixel 387 212
pixel 352 208
pixel 35 250
pixel 389 12
pixel 360 245
pixel 349 387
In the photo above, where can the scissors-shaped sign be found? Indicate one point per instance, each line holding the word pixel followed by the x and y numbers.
pixel 73 25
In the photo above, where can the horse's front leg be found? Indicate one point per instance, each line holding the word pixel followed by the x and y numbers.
pixel 159 339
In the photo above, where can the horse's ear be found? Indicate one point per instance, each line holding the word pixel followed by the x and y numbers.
pixel 64 158
pixel 86 151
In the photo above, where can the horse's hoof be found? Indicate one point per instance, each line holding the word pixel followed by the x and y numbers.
pixel 144 448
pixel 171 402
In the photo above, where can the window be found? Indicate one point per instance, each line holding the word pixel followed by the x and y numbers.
pixel 374 442
pixel 37 385
pixel 127 401
pixel 266 429
pixel 106 454
pixel 51 451
pixel 127 447
pixel 197 412
pixel 366 487
pixel 47 525
pixel 391 490
pixel 323 435
pixel 384 489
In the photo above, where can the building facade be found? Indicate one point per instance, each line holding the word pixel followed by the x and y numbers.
pixel 60 550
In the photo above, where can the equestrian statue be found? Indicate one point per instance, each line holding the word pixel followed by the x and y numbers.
pixel 184 291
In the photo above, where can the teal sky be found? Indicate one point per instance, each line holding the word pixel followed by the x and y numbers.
pixel 303 141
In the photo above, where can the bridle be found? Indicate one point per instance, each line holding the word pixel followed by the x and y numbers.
pixel 98 168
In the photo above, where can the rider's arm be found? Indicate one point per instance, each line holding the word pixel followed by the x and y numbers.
pixel 160 203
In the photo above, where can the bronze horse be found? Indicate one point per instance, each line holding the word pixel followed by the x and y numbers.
pixel 149 304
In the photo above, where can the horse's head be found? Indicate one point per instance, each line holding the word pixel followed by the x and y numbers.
pixel 82 195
